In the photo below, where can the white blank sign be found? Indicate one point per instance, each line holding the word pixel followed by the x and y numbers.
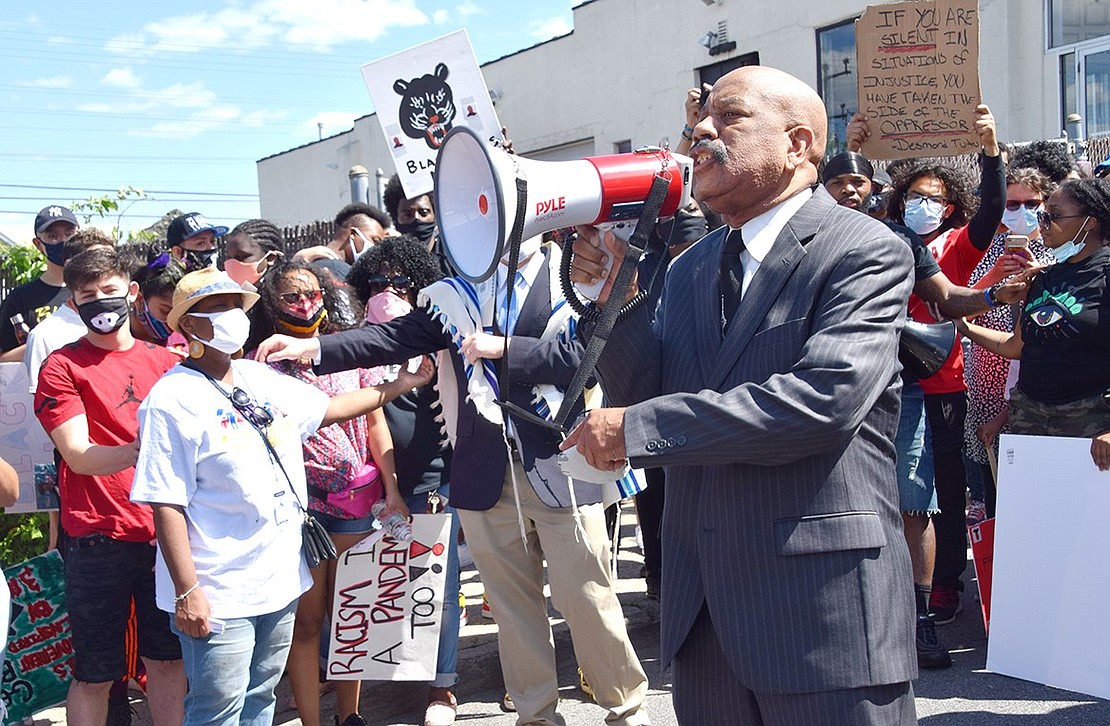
pixel 1051 576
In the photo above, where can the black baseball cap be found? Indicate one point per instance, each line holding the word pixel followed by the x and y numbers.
pixel 190 225
pixel 50 215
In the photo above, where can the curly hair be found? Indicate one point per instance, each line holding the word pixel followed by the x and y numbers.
pixel 1032 178
pixel 392 195
pixel 1051 158
pixel 1093 197
pixel 265 313
pixel 405 254
pixel 344 215
pixel 958 190
pixel 262 232
pixel 155 270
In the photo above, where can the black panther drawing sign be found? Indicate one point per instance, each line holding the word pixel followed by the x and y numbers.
pixel 427 106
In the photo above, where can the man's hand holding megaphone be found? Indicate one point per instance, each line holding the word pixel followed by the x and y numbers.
pixel 590 260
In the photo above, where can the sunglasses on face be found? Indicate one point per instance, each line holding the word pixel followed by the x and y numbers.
pixel 292 298
pixel 1046 218
pixel 915 196
pixel 400 283
pixel 250 410
pixel 1014 204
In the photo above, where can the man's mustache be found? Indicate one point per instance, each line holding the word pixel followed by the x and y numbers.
pixel 715 147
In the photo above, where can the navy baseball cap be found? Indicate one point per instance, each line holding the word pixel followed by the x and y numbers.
pixel 190 225
pixel 50 215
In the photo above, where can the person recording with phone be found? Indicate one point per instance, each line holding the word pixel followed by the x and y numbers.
pixel 1062 335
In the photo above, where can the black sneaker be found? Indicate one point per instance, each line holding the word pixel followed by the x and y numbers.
pixel 930 653
pixel 944 604
pixel 353 720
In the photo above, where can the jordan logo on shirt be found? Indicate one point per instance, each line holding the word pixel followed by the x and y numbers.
pixel 129 392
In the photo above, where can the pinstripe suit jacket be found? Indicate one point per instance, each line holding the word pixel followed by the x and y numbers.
pixel 782 506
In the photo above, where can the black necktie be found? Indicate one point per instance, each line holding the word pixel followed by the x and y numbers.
pixel 732 277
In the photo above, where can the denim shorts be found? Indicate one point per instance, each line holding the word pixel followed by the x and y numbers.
pixel 336 525
pixel 102 576
pixel 916 491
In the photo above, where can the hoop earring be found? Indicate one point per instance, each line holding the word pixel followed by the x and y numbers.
pixel 196 348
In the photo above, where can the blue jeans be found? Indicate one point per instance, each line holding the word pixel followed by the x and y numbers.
pixel 915 461
pixel 232 675
pixel 446 662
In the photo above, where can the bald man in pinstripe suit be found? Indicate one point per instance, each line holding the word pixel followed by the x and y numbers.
pixel 767 386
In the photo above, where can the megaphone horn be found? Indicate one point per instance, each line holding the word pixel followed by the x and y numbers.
pixel 923 347
pixel 477 199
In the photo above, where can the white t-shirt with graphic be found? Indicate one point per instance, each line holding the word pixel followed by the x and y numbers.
pixel 198 452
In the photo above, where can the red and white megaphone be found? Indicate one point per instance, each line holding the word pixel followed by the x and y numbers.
pixel 477 200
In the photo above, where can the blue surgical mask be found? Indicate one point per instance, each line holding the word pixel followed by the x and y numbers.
pixel 55 253
pixel 1021 220
pixel 1071 248
pixel 158 329
pixel 923 216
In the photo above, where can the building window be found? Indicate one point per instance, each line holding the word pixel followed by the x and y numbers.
pixel 836 79
pixel 1068 101
pixel 1073 21
pixel 710 74
pixel 622 147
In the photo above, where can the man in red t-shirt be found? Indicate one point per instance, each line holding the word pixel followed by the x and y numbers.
pixel 87 400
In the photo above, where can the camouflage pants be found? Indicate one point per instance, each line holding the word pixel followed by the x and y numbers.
pixel 1085 418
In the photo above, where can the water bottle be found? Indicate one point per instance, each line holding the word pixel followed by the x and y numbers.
pixel 395 525
pixel 20 327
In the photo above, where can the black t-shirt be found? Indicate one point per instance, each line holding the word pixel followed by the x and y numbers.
pixel 35 300
pixel 1065 326
pixel 420 450
pixel 924 264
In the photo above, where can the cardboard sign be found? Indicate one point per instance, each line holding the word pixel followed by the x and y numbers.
pixel 39 663
pixel 918 80
pixel 1049 588
pixel 388 603
pixel 419 95
pixel 982 554
pixel 24 444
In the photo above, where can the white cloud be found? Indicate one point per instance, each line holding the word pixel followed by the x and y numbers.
pixel 53 82
pixel 121 78
pixel 551 28
pixel 439 17
pixel 189 126
pixel 255 119
pixel 318 25
pixel 466 9
pixel 61 40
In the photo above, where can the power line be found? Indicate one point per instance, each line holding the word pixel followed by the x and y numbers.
pixel 126 216
pixel 161 200
pixel 148 191
pixel 51 157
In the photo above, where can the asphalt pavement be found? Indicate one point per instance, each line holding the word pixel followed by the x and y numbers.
pixel 963 695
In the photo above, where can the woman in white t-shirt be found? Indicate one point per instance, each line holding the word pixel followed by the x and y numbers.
pixel 228 506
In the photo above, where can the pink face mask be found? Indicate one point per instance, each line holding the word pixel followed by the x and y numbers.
pixel 242 272
pixel 385 306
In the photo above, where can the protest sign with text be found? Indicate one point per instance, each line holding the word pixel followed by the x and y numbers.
pixel 388 604
pixel 419 95
pixel 38 667
pixel 918 80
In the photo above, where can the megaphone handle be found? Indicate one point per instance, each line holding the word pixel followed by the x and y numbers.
pixel 608 318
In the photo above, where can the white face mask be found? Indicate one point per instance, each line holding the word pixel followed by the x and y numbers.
pixel 1071 248
pixel 923 216
pixel 1021 220
pixel 230 329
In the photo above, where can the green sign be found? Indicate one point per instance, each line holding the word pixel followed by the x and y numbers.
pixel 39 663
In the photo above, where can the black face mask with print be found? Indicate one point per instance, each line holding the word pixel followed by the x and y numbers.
pixel 104 316
pixel 200 259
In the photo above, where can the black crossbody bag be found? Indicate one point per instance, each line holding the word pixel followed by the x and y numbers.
pixel 316 544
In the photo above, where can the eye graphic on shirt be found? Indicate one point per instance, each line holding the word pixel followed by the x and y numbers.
pixel 1053 311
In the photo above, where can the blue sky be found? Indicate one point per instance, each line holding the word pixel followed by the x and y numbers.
pixel 184 97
